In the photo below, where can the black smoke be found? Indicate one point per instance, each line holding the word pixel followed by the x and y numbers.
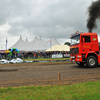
pixel 94 14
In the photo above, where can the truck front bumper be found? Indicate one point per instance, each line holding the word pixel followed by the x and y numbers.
pixel 77 58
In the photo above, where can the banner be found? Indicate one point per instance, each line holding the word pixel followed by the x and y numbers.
pixel 66 55
pixel 57 56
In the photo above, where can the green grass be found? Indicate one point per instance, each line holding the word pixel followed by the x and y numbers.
pixel 82 91
pixel 42 59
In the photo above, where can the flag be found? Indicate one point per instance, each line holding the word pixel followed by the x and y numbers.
pixel 6 43
pixel 49 42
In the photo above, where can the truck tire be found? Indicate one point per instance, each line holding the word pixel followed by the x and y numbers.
pixel 80 63
pixel 91 61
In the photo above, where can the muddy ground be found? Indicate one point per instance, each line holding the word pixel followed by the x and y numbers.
pixel 27 74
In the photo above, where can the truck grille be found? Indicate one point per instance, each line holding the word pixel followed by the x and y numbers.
pixel 74 51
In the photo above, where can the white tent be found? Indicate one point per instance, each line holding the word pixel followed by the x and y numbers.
pixel 35 45
pixel 26 43
pixel 19 44
pixel 59 48
pixel 46 45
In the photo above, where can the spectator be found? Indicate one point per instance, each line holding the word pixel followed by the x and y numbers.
pixel 41 54
pixel 44 54
pixel 60 52
pixel 38 54
pixel 55 52
pixel 34 55
pixel 0 55
pixel 22 55
pixel 25 55
pixel 19 54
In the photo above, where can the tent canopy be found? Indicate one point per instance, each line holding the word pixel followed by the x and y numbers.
pixel 35 45
pixel 59 48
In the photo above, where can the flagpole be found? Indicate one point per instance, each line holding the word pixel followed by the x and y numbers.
pixel 6 43
pixel 6 49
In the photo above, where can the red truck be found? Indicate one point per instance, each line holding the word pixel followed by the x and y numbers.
pixel 84 49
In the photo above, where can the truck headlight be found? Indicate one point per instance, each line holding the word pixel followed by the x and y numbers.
pixel 79 56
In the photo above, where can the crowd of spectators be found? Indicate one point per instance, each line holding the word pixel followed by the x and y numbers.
pixel 32 55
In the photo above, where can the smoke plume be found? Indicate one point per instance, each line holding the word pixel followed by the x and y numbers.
pixel 94 14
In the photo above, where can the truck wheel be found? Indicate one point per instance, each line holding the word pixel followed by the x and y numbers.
pixel 91 61
pixel 80 63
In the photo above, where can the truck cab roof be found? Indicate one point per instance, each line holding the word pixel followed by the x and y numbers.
pixel 84 34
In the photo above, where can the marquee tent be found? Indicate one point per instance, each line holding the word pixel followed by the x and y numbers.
pixel 35 45
pixel 59 48
pixel 18 44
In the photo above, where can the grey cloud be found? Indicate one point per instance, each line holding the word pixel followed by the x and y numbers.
pixel 44 18
pixel 16 30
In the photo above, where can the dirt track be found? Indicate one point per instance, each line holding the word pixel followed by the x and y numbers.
pixel 45 73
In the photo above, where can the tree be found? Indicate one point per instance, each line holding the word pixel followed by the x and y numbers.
pixel 67 43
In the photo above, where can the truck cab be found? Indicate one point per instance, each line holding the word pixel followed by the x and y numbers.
pixel 84 49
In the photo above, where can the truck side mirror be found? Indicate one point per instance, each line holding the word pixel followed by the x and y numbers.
pixel 83 39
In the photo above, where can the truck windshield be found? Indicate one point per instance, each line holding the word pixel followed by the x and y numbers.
pixel 75 40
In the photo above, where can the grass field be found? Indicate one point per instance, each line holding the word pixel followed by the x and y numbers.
pixel 80 91
pixel 41 59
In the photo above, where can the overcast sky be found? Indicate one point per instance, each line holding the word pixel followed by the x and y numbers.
pixel 44 18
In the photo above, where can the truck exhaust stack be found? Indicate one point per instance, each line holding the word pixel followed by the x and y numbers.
pixel 94 14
